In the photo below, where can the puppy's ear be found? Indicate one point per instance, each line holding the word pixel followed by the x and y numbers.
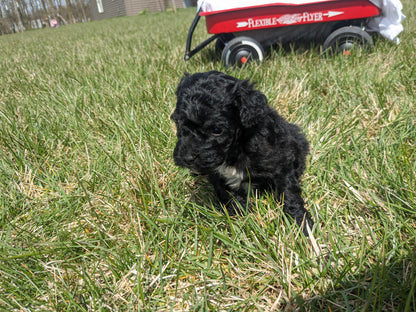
pixel 251 104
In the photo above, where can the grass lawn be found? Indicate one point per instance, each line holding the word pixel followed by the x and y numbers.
pixel 94 216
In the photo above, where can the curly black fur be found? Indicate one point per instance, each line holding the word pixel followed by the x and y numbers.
pixel 227 131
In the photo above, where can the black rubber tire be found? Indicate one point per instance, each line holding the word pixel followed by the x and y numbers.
pixel 241 50
pixel 346 39
pixel 221 42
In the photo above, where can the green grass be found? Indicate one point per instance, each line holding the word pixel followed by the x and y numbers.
pixel 94 216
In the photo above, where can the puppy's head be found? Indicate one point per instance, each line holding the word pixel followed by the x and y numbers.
pixel 212 112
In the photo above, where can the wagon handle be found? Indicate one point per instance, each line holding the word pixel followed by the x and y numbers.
pixel 188 52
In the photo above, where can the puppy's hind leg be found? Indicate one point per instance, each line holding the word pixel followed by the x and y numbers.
pixel 294 206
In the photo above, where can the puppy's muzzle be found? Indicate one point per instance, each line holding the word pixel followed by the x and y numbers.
pixel 184 158
pixel 189 159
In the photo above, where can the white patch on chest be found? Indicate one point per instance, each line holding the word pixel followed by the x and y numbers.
pixel 232 176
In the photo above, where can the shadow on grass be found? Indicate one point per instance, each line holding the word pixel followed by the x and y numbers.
pixel 382 287
pixel 384 282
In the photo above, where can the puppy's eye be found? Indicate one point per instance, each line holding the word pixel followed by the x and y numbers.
pixel 216 131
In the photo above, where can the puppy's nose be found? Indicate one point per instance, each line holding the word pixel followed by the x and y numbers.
pixel 189 157
pixel 183 157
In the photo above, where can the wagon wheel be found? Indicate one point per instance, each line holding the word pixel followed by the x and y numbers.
pixel 347 39
pixel 221 42
pixel 241 50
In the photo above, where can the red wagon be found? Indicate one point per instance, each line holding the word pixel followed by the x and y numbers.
pixel 243 33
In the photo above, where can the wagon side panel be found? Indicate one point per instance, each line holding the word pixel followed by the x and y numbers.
pixel 287 15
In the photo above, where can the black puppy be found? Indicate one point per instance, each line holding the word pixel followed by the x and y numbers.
pixel 227 131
